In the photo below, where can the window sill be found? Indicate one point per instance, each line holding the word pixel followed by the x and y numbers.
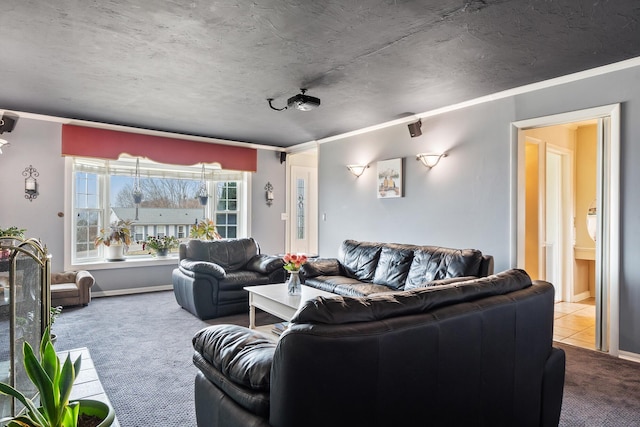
pixel 131 262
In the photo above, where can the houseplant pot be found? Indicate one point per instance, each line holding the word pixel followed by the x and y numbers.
pixel 90 408
pixel 114 252
pixel 160 245
pixel 116 239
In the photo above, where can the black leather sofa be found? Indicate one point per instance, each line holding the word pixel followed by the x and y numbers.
pixel 211 275
pixel 471 353
pixel 366 268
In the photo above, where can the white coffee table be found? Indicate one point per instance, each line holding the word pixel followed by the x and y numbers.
pixel 275 300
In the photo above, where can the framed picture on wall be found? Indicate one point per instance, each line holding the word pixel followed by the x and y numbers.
pixel 389 178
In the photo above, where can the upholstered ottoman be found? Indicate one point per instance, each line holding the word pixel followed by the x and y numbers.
pixel 71 288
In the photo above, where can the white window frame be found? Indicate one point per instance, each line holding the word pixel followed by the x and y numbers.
pixel 139 261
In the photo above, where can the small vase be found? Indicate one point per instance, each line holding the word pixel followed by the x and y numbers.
pixel 162 253
pixel 293 284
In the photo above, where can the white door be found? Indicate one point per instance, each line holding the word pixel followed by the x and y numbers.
pixel 558 228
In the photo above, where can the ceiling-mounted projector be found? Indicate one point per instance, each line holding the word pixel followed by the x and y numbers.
pixel 303 102
pixel 300 102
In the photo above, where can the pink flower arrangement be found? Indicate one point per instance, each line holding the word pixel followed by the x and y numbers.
pixel 293 262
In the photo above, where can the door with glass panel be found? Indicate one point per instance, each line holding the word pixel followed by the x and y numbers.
pixel 303 212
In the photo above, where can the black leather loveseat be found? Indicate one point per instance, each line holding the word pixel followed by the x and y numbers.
pixel 472 353
pixel 365 268
pixel 211 274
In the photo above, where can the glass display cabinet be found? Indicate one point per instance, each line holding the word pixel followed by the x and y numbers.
pixel 25 300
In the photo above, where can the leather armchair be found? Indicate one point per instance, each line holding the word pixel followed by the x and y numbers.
pixel 211 275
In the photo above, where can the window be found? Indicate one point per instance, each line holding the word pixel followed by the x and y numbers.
pixel 227 209
pixel 103 193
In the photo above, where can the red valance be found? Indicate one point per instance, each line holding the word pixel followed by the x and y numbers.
pixel 110 144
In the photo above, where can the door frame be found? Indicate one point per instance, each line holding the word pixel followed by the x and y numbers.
pixel 609 194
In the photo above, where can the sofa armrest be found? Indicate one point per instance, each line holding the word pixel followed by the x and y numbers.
pixel 242 355
pixel 321 267
pixel 265 264
pixel 84 279
pixel 203 267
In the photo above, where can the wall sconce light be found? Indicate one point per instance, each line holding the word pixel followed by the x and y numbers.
pixel 30 183
pixel 3 143
pixel 357 170
pixel 430 159
pixel 269 193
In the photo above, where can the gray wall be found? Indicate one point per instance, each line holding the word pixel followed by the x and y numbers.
pixel 266 226
pixel 465 200
pixel 38 143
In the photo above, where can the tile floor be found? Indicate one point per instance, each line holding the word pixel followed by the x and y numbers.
pixel 575 323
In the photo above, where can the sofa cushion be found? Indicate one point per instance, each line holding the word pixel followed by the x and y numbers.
pixel 338 310
pixel 434 263
pixel 393 266
pixel 359 259
pixel 202 267
pixel 240 354
pixel 64 277
pixel 230 254
pixel 320 267
pixel 265 264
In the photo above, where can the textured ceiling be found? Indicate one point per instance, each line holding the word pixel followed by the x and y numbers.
pixel 207 67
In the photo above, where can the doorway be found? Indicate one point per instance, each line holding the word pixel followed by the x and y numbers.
pixel 554 210
pixel 302 202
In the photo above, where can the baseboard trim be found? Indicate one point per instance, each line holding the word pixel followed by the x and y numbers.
pixel 627 355
pixel 581 296
pixel 130 291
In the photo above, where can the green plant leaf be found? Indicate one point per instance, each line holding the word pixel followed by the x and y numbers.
pixel 67 377
pixel 33 414
pixel 41 380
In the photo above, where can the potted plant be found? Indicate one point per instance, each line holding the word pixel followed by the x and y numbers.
pixel 54 382
pixel 205 230
pixel 160 245
pixel 14 232
pixel 116 239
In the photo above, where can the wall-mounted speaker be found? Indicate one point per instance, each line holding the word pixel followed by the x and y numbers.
pixel 8 122
pixel 415 128
pixel 283 157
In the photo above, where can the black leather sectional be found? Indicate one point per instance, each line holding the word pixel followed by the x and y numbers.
pixel 472 353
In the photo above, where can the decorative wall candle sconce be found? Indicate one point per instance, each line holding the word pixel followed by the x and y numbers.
pixel 269 193
pixel 357 170
pixel 30 183
pixel 430 159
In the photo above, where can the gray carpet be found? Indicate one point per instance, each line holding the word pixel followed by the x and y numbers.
pixel 141 347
